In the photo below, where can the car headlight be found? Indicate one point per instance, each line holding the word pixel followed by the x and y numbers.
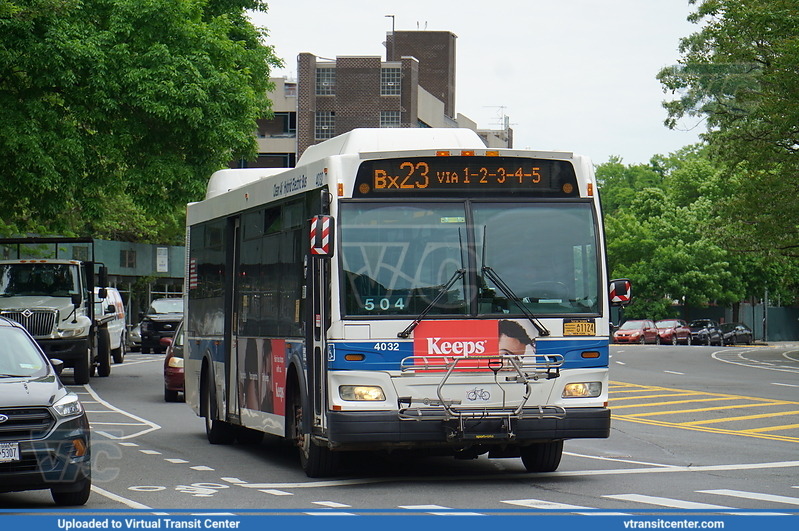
pixel 361 393
pixel 73 332
pixel 69 406
pixel 175 363
pixel 582 390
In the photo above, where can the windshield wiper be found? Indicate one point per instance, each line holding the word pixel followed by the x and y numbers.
pixel 505 289
pixel 457 275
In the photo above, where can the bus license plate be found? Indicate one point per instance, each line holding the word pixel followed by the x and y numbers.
pixel 579 327
pixel 9 452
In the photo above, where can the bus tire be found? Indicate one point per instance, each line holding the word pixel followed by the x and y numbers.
pixel 103 353
pixel 82 369
pixel 217 431
pixel 317 461
pixel 542 457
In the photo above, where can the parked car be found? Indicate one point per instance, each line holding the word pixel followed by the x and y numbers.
pixel 134 338
pixel 161 320
pixel 173 366
pixel 637 331
pixel 44 431
pixel 113 307
pixel 674 331
pixel 705 332
pixel 737 334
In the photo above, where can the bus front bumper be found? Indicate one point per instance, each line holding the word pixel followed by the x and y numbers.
pixel 385 429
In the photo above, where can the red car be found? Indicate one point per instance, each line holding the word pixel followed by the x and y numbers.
pixel 173 366
pixel 674 331
pixel 637 331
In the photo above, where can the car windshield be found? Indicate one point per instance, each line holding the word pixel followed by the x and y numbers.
pixel 166 306
pixel 666 324
pixel 700 324
pixel 54 280
pixel 19 355
pixel 632 325
pixel 397 258
pixel 727 327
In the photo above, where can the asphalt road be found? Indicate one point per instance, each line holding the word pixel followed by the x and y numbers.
pixel 694 427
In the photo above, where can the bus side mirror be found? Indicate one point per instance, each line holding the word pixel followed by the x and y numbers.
pixel 322 236
pixel 620 292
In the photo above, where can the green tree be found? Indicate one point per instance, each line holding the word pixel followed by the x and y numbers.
pixel 114 113
pixel 739 73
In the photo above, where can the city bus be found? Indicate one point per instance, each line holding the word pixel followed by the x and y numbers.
pixel 402 289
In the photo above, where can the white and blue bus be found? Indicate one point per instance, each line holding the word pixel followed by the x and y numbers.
pixel 402 289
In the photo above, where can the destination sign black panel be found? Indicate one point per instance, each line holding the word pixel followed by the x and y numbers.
pixel 465 176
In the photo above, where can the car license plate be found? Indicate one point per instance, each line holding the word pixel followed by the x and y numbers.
pixel 9 452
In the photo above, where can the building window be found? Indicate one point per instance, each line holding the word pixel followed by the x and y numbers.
pixel 390 81
pixel 290 90
pixel 389 118
pixel 325 81
pixel 325 126
pixel 127 258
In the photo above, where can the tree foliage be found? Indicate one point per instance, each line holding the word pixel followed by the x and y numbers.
pixel 739 72
pixel 114 113
pixel 663 237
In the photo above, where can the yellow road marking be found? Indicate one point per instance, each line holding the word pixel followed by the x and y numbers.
pixel 772 428
pixel 746 417
pixel 701 396
pixel 703 409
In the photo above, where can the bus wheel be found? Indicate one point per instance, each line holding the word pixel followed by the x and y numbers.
pixel 317 461
pixel 217 431
pixel 542 457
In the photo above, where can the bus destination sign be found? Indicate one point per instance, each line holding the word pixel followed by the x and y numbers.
pixel 465 175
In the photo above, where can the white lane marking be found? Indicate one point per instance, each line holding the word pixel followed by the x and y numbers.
pixel 617 460
pixel 176 461
pixel 201 467
pixel 151 426
pixel 543 504
pixel 753 496
pixel 620 363
pixel 150 452
pixel 233 480
pixel 665 502
pixel 276 492
pixel 752 364
pixel 578 473
pixel 331 513
pixel 675 372
pixel 128 444
pixel 439 510
pixel 117 498
pixel 784 384
pixel 331 504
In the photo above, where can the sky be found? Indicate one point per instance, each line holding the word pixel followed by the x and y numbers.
pixel 572 75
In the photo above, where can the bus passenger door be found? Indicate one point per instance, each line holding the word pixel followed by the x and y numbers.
pixel 319 286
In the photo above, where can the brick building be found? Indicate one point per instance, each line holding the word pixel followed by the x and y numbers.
pixel 413 87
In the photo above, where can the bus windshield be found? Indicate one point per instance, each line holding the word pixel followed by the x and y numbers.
pixel 396 258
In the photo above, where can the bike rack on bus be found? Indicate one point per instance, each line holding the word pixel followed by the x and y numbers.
pixel 515 369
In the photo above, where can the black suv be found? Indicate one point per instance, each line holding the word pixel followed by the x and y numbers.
pixel 706 332
pixel 161 320
pixel 44 432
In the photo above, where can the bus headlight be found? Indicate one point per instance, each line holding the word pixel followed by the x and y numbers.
pixel 361 393
pixel 582 390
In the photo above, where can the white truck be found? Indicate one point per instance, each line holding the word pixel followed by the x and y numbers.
pixel 53 298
